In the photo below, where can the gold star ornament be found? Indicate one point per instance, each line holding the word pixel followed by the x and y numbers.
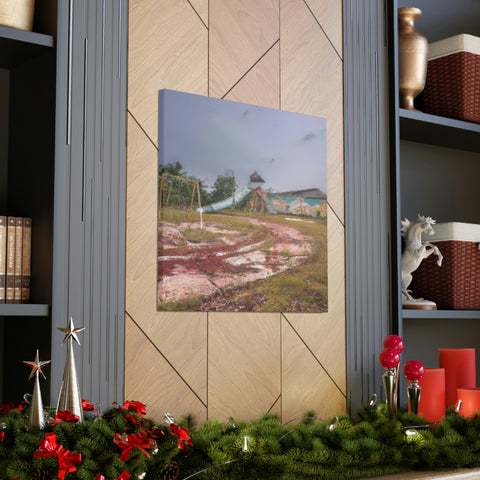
pixel 36 366
pixel 71 331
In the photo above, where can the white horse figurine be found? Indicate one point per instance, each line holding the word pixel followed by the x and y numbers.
pixel 415 251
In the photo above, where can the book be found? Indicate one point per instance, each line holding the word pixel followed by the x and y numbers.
pixel 3 254
pixel 18 259
pixel 10 262
pixel 27 259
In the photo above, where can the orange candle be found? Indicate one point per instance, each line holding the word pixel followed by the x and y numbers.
pixel 432 396
pixel 470 398
pixel 459 365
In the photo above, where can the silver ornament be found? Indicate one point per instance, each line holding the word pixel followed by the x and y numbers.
pixel 69 397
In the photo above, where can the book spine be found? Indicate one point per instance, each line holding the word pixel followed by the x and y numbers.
pixel 10 262
pixel 3 255
pixel 27 259
pixel 18 259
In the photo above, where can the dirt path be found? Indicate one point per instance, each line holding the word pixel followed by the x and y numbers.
pixel 233 259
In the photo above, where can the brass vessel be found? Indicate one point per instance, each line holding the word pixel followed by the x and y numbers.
pixel 412 57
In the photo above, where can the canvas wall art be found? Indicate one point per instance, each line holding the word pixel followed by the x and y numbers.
pixel 242 207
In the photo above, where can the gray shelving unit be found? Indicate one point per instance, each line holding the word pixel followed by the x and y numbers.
pixel 27 126
pixel 435 164
pixel 63 163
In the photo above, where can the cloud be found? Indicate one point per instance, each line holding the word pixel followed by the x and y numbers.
pixel 308 136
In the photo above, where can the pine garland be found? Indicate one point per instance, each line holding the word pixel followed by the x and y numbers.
pixel 370 445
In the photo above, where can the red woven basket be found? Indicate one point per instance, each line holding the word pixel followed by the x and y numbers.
pixel 456 284
pixel 452 87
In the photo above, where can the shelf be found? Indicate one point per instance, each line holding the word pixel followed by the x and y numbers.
pixel 439 314
pixel 23 310
pixel 443 132
pixel 17 46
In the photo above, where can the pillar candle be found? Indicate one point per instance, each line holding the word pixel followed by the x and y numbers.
pixel 470 398
pixel 459 365
pixel 432 396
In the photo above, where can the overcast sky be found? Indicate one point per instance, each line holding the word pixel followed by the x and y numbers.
pixel 210 137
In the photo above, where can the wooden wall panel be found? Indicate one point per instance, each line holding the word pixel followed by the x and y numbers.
pixel 261 84
pixel 328 13
pixel 149 377
pixel 313 388
pixel 240 34
pixel 275 53
pixel 243 364
pixel 168 45
pixel 201 7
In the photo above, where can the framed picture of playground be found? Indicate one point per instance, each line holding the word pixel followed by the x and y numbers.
pixel 242 207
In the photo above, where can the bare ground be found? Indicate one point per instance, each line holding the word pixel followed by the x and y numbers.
pixel 207 268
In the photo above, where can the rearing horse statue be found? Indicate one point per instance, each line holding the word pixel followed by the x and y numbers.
pixel 415 251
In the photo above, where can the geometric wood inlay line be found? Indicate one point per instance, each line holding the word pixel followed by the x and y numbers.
pixel 335 213
pixel 166 359
pixel 201 19
pixel 142 129
pixel 315 357
pixel 325 33
pixel 252 67
pixel 274 403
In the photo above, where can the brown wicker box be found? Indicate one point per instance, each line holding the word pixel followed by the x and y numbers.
pixel 456 284
pixel 452 88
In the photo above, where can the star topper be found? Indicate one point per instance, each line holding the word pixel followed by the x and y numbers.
pixel 36 366
pixel 71 331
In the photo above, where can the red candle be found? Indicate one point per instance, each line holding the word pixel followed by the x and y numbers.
pixel 432 396
pixel 470 398
pixel 459 365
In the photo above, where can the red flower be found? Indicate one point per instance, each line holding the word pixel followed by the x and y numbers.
pixel 2 436
pixel 6 407
pixel 138 407
pixel 66 460
pixel 182 434
pixel 88 407
pixel 138 440
pixel 123 476
pixel 65 416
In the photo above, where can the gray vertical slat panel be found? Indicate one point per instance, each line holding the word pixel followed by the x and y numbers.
pixel 367 196
pixel 89 270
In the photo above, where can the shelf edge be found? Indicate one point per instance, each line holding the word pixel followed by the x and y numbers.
pixel 24 310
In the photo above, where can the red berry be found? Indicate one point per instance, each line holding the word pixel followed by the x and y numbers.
pixel 413 370
pixel 389 357
pixel 394 341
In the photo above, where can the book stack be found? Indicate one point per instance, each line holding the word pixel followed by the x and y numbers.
pixel 15 259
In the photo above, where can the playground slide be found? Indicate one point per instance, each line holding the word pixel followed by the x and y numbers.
pixel 227 203
pixel 268 203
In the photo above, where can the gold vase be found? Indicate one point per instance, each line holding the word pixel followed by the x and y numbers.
pixel 412 57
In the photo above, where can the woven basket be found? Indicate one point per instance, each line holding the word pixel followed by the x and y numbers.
pixel 456 284
pixel 452 87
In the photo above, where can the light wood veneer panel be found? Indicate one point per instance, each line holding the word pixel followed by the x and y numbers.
pixel 311 79
pixel 201 7
pixel 141 235
pixel 261 85
pixel 167 48
pixel 329 14
pixel 324 333
pixel 240 33
pixel 151 380
pixel 243 364
pixel 181 337
pixel 305 385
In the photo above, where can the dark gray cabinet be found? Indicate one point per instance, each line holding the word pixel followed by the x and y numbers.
pixel 63 163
